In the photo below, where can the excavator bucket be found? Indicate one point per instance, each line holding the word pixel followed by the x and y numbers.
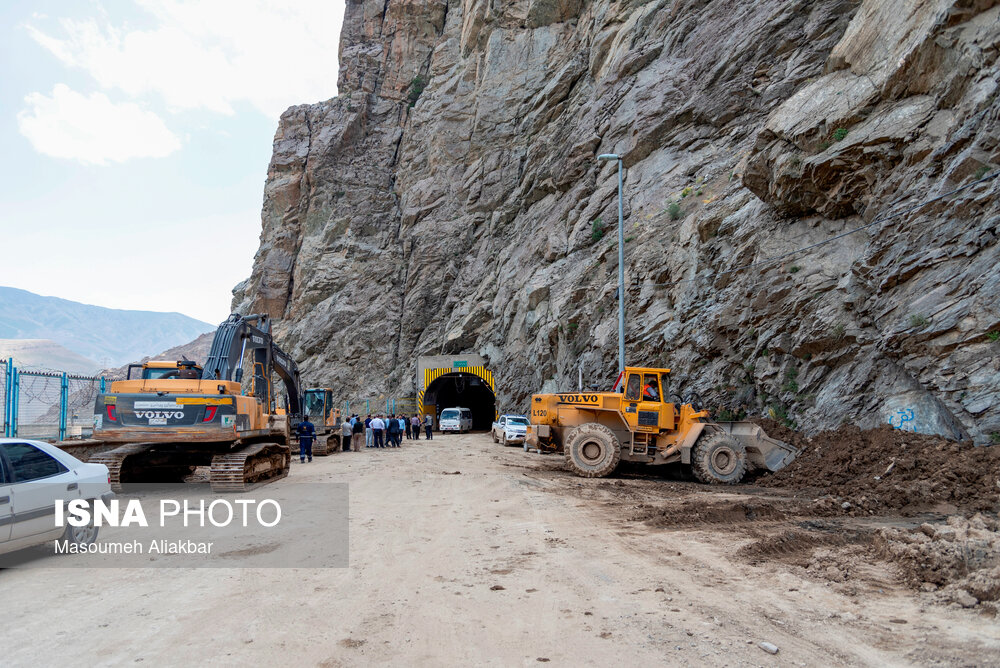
pixel 762 450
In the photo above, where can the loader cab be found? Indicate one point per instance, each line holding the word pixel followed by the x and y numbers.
pixel 644 402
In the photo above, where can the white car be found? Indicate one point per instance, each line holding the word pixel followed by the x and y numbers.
pixel 510 429
pixel 33 476
pixel 455 419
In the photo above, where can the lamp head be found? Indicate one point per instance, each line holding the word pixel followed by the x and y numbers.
pixel 609 156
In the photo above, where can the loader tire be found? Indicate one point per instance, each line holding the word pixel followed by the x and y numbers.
pixel 593 451
pixel 718 458
pixel 568 436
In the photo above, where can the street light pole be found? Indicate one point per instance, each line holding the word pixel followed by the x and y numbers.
pixel 621 264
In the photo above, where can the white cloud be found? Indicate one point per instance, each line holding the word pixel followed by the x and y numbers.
pixel 93 129
pixel 210 54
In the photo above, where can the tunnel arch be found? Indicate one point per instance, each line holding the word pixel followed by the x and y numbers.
pixel 462 389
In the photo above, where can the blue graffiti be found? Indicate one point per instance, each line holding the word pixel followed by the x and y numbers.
pixel 904 415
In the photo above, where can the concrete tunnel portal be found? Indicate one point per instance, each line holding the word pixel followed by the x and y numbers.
pixel 452 382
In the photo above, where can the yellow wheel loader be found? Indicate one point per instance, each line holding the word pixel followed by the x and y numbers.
pixel 172 417
pixel 636 422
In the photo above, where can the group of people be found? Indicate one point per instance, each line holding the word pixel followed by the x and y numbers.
pixel 383 431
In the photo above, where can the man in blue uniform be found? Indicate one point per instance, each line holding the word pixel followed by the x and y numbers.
pixel 307 434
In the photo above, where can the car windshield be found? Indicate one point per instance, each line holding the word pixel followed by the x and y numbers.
pixel 517 420
pixel 449 414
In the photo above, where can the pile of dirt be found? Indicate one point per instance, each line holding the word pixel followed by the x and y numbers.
pixel 702 513
pixel 879 470
pixel 958 560
pixel 797 545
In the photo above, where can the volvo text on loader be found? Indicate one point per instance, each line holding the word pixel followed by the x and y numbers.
pixel 176 416
pixel 636 422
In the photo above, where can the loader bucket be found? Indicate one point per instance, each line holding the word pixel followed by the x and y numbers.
pixel 762 450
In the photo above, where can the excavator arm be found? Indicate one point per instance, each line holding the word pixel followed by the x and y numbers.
pixel 233 339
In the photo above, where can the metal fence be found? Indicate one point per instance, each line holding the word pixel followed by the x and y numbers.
pixel 3 395
pixel 48 404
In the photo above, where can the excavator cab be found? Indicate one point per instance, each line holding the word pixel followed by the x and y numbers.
pixel 162 369
pixel 318 403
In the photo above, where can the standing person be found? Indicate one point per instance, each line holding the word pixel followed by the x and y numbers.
pixel 429 426
pixel 404 424
pixel 409 432
pixel 369 436
pixel 306 432
pixel 415 426
pixel 396 429
pixel 390 430
pixel 357 434
pixel 346 433
pixel 378 430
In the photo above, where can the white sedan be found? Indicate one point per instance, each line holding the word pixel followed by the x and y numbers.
pixel 33 477
pixel 510 429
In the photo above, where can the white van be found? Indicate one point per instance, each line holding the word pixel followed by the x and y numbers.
pixel 455 419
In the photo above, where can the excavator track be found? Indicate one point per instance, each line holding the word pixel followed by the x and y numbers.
pixel 326 445
pixel 115 460
pixel 248 467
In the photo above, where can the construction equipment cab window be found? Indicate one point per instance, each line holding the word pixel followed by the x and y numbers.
pixel 650 388
pixel 643 387
pixel 633 388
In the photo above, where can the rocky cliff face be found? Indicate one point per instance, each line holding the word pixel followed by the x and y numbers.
pixel 449 200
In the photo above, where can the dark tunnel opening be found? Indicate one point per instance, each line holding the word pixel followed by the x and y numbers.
pixel 463 390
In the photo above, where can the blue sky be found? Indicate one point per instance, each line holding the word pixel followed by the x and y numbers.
pixel 136 136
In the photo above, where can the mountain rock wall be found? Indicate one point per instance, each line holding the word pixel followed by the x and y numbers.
pixel 449 200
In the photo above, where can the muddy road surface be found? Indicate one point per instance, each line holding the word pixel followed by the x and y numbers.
pixel 466 553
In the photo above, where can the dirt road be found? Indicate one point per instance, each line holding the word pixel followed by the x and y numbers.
pixel 463 552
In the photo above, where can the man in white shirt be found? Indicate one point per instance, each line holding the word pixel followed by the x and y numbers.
pixel 346 431
pixel 378 430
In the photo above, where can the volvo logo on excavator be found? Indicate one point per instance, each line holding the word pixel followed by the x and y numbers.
pixel 160 415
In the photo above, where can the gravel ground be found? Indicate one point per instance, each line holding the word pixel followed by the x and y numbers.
pixel 463 552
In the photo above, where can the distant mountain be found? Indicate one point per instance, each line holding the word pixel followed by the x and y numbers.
pixel 43 354
pixel 110 336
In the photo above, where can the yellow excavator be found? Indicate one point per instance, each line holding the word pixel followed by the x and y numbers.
pixel 174 416
pixel 635 422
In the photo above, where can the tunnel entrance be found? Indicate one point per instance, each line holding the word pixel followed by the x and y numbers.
pixel 465 390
